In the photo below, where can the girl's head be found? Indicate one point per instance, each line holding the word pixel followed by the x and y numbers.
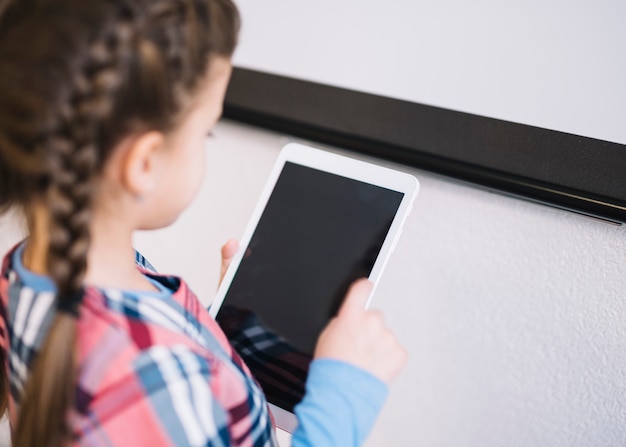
pixel 78 78
pixel 81 82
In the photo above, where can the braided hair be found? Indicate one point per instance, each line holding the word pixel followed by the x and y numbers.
pixel 77 77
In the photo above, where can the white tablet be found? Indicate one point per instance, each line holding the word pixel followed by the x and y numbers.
pixel 322 221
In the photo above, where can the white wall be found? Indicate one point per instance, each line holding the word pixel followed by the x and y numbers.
pixel 513 313
pixel 558 64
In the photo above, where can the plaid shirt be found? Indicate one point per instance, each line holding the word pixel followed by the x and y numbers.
pixel 154 369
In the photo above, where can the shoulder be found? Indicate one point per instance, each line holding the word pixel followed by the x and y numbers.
pixel 177 396
pixel 154 346
pixel 117 329
pixel 168 391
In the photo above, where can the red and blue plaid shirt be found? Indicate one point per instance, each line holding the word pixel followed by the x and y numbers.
pixel 154 368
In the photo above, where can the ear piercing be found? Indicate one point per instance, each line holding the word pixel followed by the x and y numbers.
pixel 142 196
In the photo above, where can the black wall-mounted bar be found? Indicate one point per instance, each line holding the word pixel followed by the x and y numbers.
pixel 568 171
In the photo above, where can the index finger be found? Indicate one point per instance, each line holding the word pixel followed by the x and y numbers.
pixel 357 296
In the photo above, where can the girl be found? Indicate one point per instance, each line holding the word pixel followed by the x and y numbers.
pixel 104 109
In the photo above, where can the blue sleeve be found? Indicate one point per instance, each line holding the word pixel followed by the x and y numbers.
pixel 340 405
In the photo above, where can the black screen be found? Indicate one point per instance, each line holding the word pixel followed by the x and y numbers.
pixel 318 233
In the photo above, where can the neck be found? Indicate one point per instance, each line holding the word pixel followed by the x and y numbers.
pixel 111 257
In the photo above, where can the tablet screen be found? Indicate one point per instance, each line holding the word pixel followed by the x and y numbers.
pixel 318 233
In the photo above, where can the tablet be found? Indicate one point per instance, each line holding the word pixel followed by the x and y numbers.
pixel 323 221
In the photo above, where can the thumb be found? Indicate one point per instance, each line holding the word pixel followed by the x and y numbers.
pixel 357 296
pixel 229 249
pixel 228 252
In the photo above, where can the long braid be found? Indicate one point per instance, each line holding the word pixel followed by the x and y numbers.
pixel 73 163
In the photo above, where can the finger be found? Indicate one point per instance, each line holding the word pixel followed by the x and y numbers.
pixel 377 317
pixel 357 296
pixel 229 249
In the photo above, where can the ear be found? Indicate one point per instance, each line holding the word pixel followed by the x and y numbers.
pixel 140 167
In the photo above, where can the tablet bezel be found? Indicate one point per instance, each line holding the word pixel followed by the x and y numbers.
pixel 335 164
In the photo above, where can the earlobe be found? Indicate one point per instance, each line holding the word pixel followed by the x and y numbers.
pixel 140 168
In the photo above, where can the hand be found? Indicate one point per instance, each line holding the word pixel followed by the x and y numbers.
pixel 358 336
pixel 228 252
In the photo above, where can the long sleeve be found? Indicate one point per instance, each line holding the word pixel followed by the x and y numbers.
pixel 340 406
